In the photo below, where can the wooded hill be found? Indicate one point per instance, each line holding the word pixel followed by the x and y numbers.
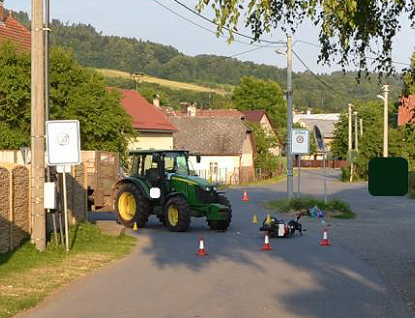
pixel 133 55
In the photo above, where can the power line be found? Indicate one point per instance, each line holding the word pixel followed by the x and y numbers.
pixel 315 75
pixel 198 25
pixel 368 57
pixel 237 54
pixel 226 28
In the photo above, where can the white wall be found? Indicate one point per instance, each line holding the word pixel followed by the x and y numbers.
pixel 148 140
pixel 228 168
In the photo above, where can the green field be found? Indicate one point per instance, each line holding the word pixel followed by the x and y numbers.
pixel 163 82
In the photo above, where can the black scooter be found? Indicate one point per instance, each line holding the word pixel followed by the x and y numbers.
pixel 279 228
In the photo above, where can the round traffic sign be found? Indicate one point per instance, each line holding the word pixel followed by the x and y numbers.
pixel 300 139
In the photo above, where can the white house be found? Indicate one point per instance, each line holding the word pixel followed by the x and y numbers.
pixel 226 146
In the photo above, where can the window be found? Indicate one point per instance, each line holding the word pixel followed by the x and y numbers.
pixel 213 168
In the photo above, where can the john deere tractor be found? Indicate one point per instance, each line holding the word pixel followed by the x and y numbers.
pixel 160 183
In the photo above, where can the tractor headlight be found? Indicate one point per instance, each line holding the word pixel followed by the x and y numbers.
pixel 207 189
pixel 214 189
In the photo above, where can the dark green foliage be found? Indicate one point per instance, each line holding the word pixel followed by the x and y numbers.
pixel 401 140
pixel 14 98
pixel 75 93
pixel 259 94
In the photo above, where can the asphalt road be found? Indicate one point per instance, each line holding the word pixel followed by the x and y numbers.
pixel 164 278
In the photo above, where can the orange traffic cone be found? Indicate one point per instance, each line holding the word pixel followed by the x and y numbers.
pixel 325 240
pixel 201 251
pixel 266 246
pixel 245 197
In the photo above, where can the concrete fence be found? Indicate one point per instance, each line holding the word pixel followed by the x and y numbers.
pixel 15 206
pixel 15 219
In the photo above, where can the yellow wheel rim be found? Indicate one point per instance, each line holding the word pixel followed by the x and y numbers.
pixel 127 206
pixel 173 215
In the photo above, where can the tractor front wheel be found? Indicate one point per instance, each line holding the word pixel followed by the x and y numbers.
pixel 177 214
pixel 221 225
pixel 131 206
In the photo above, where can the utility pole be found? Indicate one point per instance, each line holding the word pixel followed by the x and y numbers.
pixel 356 129
pixel 38 126
pixel 361 126
pixel 290 178
pixel 385 119
pixel 350 127
pixel 349 153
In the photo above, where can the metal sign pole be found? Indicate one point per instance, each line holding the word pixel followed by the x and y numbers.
pixel 65 209
pixel 299 175
pixel 325 176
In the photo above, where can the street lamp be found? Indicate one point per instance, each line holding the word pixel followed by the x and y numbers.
pixel 385 119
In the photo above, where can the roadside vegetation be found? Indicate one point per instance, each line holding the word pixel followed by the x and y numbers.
pixel 28 276
pixel 335 208
pixel 411 185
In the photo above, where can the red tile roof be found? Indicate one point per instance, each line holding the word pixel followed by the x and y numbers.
pixel 406 110
pixel 253 115
pixel 17 33
pixel 145 116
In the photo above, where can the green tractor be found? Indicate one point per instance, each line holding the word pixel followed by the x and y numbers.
pixel 160 183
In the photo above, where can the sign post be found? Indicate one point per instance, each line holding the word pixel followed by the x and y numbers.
pixel 319 138
pixel 63 145
pixel 300 145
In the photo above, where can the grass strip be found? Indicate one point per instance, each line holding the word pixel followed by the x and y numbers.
pixel 335 208
pixel 28 276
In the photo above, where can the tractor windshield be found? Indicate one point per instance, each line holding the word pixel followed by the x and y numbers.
pixel 176 162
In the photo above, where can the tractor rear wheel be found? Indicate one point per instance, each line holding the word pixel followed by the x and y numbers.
pixel 221 225
pixel 131 206
pixel 177 214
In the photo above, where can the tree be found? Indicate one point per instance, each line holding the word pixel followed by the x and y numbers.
pixel 76 93
pixel 253 93
pixel 14 97
pixel 346 27
pixel 264 141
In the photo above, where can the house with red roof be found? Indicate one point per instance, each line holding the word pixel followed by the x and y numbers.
pixel 11 29
pixel 155 131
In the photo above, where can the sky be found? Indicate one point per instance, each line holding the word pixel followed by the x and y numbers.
pixel 148 20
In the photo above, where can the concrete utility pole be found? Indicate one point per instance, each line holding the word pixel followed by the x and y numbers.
pixel 38 126
pixel 290 178
pixel 385 119
pixel 356 129
pixel 350 127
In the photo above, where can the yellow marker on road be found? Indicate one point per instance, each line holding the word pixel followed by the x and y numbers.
pixel 135 227
pixel 254 219
pixel 269 218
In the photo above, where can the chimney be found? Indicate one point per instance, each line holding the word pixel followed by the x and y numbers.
pixel 191 110
pixel 156 100
pixel 1 12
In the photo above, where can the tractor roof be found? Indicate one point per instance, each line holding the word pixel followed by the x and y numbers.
pixel 150 151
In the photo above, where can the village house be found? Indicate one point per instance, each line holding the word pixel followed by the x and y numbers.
pixel 154 129
pixel 325 123
pixel 12 30
pixel 226 146
pixel 261 117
